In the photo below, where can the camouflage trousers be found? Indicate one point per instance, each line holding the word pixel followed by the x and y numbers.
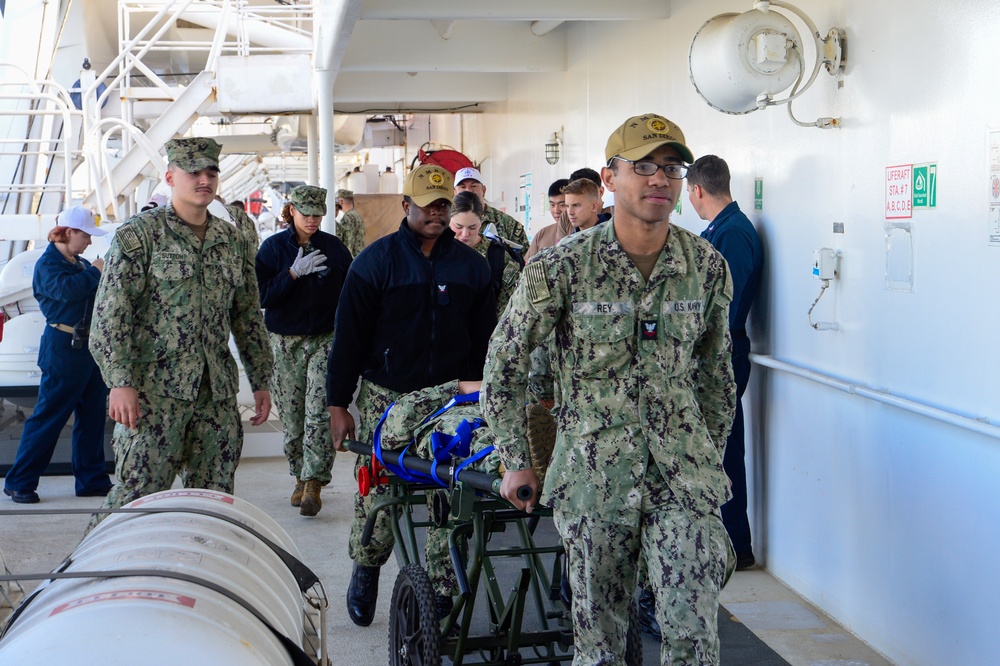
pixel 299 389
pixel 687 558
pixel 200 440
pixel 372 402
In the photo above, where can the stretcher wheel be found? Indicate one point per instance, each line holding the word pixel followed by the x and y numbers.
pixel 414 629
pixel 633 639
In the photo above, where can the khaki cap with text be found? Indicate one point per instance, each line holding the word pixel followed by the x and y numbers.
pixel 428 183
pixel 638 136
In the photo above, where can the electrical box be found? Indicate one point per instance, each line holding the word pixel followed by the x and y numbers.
pixel 825 262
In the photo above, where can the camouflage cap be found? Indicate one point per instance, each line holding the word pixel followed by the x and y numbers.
pixel 345 194
pixel 638 136
pixel 428 183
pixel 309 200
pixel 194 154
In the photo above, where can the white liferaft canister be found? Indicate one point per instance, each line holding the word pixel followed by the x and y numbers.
pixel 155 620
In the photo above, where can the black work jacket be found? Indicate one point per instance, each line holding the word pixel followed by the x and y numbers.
pixel 307 305
pixel 406 321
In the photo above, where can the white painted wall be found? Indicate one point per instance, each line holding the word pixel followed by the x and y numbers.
pixel 886 520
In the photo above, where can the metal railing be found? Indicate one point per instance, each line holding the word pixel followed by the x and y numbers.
pixel 228 27
pixel 29 158
pixel 145 27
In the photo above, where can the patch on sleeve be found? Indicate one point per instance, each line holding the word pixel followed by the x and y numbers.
pixel 536 282
pixel 128 239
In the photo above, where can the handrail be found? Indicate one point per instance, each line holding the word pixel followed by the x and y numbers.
pixel 45 104
pixel 980 425
pixel 235 22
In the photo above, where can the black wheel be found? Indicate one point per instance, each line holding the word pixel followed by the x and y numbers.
pixel 414 630
pixel 633 639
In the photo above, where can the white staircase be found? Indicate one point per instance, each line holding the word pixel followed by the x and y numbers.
pixel 101 155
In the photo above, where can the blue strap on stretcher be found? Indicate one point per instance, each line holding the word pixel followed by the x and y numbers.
pixel 443 447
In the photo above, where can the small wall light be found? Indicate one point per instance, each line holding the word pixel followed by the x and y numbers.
pixel 552 147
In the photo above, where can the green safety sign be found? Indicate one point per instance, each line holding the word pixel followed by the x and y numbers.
pixel 758 194
pixel 924 186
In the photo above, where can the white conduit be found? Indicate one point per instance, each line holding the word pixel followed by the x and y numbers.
pixel 159 620
pixel 982 427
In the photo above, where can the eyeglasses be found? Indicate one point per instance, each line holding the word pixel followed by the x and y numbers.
pixel 673 170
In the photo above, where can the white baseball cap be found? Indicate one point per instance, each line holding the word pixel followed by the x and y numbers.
pixel 466 173
pixel 80 218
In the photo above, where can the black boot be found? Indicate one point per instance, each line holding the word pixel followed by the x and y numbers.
pixel 646 606
pixel 362 594
pixel 444 605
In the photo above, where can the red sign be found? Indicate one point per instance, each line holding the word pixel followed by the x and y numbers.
pixel 899 191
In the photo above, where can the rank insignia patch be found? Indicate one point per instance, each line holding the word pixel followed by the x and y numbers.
pixel 648 329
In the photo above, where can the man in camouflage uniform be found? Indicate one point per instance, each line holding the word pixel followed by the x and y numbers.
pixel 177 280
pixel 417 310
pixel 351 227
pixel 646 398
pixel 470 180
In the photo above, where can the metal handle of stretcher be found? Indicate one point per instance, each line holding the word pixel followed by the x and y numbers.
pixel 478 480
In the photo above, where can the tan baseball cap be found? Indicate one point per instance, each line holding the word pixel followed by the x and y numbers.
pixel 638 136
pixel 428 183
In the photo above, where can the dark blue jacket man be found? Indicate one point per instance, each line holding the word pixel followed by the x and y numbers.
pixel 734 236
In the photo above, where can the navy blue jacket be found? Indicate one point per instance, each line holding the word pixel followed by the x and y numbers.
pixel 64 291
pixel 308 305
pixel 407 321
pixel 732 234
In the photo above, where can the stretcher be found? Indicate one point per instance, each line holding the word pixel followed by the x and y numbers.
pixel 509 609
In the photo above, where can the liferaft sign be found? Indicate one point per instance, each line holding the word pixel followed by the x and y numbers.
pixel 899 191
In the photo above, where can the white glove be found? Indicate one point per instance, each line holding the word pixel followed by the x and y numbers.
pixel 310 263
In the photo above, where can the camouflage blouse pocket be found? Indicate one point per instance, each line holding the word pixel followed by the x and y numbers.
pixel 603 344
pixel 223 275
pixel 173 276
pixel 677 349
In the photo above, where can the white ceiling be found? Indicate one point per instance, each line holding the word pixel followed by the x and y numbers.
pixel 391 55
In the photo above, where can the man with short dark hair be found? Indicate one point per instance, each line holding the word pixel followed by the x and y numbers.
pixel 553 233
pixel 416 310
pixel 734 236
pixel 177 281
pixel 470 180
pixel 639 310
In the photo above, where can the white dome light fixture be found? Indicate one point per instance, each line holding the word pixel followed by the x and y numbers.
pixel 739 62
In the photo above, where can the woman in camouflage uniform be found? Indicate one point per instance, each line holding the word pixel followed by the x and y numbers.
pixel 466 222
pixel 300 272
